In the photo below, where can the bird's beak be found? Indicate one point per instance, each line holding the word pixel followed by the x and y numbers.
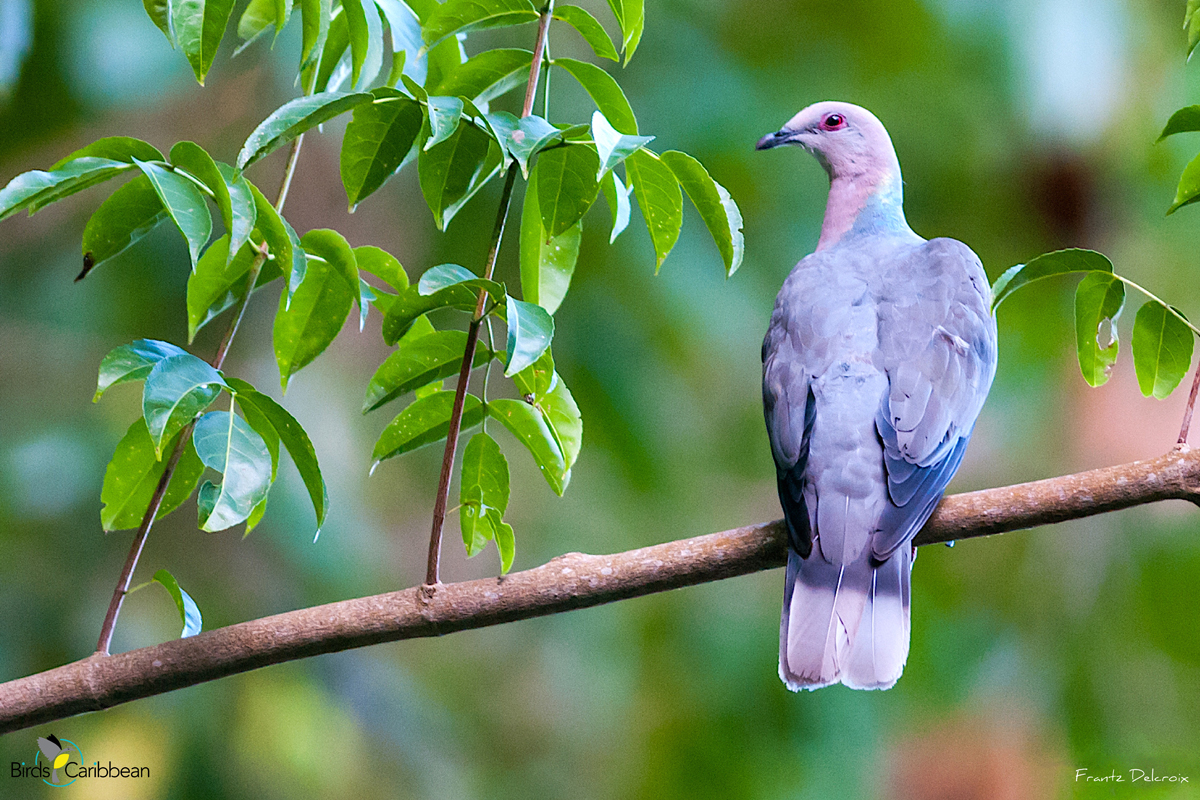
pixel 775 139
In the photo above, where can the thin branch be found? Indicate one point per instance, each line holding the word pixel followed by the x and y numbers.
pixel 433 562
pixel 568 582
pixel 1191 406
pixel 160 490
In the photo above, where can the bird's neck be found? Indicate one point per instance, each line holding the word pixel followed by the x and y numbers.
pixel 863 205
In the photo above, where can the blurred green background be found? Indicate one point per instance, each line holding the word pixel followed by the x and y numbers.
pixel 1022 126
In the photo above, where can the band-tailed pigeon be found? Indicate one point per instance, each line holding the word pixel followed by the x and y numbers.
pixel 880 352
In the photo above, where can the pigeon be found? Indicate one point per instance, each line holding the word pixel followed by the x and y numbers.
pixel 879 355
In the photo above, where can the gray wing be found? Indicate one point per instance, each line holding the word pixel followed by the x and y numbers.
pixel 790 411
pixel 938 347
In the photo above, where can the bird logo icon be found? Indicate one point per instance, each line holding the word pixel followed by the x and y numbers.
pixel 57 754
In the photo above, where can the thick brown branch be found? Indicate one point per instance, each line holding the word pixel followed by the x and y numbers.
pixel 565 583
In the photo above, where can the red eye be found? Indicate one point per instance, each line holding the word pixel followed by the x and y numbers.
pixel 833 121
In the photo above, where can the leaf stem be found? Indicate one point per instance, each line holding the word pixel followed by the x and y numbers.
pixel 1155 298
pixel 433 563
pixel 160 490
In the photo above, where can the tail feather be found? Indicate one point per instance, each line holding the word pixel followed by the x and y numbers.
pixel 880 649
pixel 844 623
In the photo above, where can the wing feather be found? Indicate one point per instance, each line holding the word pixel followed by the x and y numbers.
pixel 938 343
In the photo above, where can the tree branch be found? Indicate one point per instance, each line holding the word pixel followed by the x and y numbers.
pixel 565 583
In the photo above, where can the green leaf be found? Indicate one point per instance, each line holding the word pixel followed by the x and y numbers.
pixel 1185 120
pixel 488 75
pixel 1162 349
pixel 256 516
pixel 282 242
pixel 529 426
pixel 132 362
pixel 547 262
pixel 538 378
pixel 501 124
pixel 612 146
pixel 590 29
pixel 260 15
pixel 633 23
pixel 379 141
pixel 310 322
pixel 126 216
pixel 1047 265
pixel 382 265
pixel 366 296
pixel 442 59
pixel 294 438
pixel 396 69
pixel 334 58
pixel 405 31
pixel 476 528
pixel 36 189
pixel 506 543
pixel 261 425
pixel 484 488
pixel 658 196
pixel 366 41
pixel 428 358
pixel 159 12
pixel 454 170
pixel 1191 21
pixel 616 194
pixel 177 390
pixel 294 118
pixel 1188 190
pixel 336 251
pixel 133 475
pixel 423 422
pixel 443 276
pixel 114 148
pixel 566 183
pixel 189 612
pixel 199 26
pixel 217 285
pixel 531 330
pixel 243 209
pixel 315 18
pixel 444 116
pixel 1099 300
pixel 720 214
pixel 184 203
pixel 226 442
pixel 421 327
pixel 563 417
pixel 409 305
pixel 299 260
pixel 206 501
pixel 531 135
pixel 605 93
pixel 485 468
pixel 461 16
pixel 230 191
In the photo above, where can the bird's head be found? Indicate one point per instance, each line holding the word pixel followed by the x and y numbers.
pixel 847 139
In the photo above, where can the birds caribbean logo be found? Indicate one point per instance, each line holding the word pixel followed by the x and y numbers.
pixel 56 756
